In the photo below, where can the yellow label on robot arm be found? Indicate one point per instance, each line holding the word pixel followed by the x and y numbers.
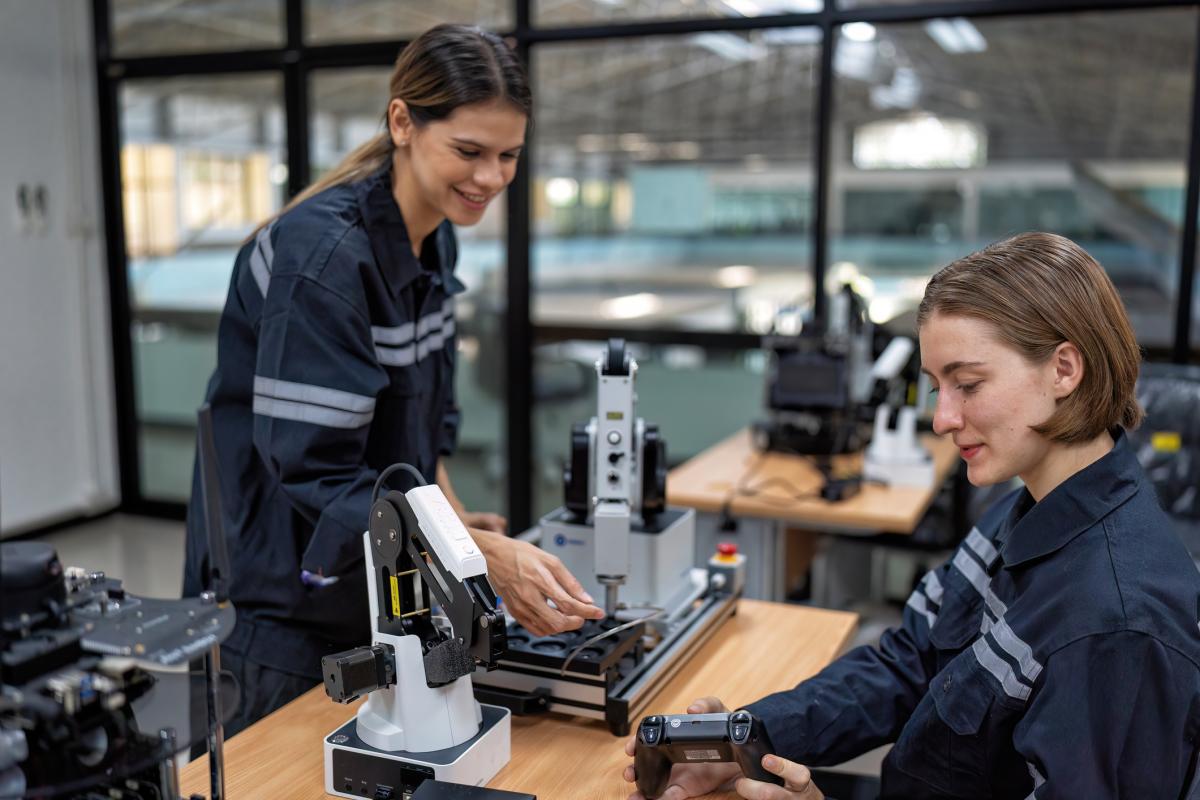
pixel 395 595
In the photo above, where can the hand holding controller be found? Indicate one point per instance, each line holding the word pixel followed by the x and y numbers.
pixel 663 741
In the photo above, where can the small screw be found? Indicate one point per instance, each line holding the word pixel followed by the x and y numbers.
pixel 208 597
pixel 379 542
pixel 378 515
pixel 483 622
pixel 392 534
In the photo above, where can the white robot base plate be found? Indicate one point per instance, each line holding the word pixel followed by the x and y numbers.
pixel 354 768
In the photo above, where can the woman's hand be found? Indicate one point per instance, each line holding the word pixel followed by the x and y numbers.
pixel 527 577
pixel 797 782
pixel 484 521
pixel 691 780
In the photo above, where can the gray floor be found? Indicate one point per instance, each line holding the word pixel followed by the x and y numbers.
pixel 144 553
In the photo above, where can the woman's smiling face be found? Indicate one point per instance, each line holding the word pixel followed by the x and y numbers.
pixel 462 162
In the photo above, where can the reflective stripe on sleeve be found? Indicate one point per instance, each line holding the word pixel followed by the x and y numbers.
pixel 319 405
pixel 999 669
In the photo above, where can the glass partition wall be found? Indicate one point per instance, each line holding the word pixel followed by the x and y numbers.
pixel 696 170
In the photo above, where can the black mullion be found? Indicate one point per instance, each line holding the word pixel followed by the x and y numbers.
pixel 295 92
pixel 823 167
pixel 522 20
pixel 518 362
pixel 120 317
pixel 168 66
pixel 673 27
pixel 1187 261
pixel 545 334
pixel 994 8
pixel 295 97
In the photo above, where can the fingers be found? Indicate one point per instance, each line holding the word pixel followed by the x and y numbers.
pixel 529 607
pixel 706 705
pixel 485 520
pixel 796 777
pixel 797 784
pixel 571 596
pixel 537 577
pixel 493 522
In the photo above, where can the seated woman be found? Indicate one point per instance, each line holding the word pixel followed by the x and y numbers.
pixel 1056 654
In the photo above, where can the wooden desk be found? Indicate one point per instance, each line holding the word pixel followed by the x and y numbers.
pixel 711 480
pixel 763 648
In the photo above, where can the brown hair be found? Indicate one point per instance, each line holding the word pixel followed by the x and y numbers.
pixel 446 67
pixel 1038 290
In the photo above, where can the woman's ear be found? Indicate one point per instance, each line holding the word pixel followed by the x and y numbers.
pixel 1067 363
pixel 400 125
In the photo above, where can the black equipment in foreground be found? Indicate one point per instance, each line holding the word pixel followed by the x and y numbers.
pixel 663 741
pixel 74 650
pixel 75 653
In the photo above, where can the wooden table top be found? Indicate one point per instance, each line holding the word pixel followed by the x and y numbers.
pixel 707 482
pixel 763 648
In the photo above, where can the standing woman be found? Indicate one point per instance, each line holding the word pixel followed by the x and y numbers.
pixel 336 355
pixel 1056 655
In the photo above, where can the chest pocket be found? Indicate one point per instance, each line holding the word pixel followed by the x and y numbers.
pixel 401 416
pixel 946 741
pixel 959 621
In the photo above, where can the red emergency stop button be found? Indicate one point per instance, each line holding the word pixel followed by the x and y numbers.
pixel 727 553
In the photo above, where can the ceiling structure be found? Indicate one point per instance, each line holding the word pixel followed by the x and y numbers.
pixel 1081 86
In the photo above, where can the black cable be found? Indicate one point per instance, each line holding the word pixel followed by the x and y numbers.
pixel 383 476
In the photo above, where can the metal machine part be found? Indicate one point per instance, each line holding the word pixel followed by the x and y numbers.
pixel 614 678
pixel 617 472
pixel 824 384
pixel 75 649
pixel 420 718
pixel 615 530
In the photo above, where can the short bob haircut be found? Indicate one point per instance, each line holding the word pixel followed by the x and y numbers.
pixel 1038 290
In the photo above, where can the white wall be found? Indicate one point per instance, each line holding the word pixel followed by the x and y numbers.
pixel 57 437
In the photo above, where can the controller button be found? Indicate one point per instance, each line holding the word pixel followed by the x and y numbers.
pixel 650 735
pixel 740 731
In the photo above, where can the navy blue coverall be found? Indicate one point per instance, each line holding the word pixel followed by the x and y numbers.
pixel 336 355
pixel 1056 655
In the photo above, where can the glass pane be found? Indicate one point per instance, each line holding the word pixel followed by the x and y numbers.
pixel 1195 355
pixel 575 12
pixel 141 27
pixel 347 109
pixel 673 180
pixel 696 396
pixel 951 134
pixel 203 161
pixel 362 20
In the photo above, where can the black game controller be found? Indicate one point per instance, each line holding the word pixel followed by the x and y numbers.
pixel 699 739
